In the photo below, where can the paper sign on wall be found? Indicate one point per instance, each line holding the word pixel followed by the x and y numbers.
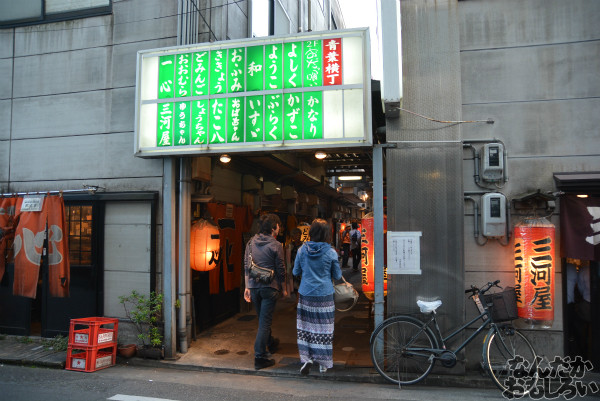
pixel 404 252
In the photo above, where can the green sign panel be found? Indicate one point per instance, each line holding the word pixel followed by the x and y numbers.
pixel 255 118
pixel 268 92
pixel 313 115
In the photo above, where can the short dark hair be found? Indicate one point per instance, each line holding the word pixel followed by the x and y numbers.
pixel 319 231
pixel 268 222
pixel 354 225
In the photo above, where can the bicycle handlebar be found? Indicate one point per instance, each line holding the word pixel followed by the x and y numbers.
pixel 474 290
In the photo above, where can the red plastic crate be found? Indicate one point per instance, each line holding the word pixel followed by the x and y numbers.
pixel 91 359
pixel 93 331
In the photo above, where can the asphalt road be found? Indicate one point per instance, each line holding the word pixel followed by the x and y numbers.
pixel 125 383
pixel 128 383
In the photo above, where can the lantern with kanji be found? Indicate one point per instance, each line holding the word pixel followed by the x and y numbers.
pixel 368 258
pixel 204 246
pixel 534 271
pixel 304 228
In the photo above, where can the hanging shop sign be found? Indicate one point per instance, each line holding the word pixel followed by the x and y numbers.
pixel 534 271
pixel 276 93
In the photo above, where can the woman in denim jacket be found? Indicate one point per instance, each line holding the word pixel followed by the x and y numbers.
pixel 317 263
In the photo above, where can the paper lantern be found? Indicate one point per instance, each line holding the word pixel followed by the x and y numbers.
pixel 204 246
pixel 304 228
pixel 534 271
pixel 367 266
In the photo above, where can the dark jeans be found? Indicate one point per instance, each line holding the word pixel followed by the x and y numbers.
pixel 264 300
pixel 345 254
pixel 356 258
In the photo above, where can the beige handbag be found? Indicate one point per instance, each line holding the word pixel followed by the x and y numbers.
pixel 345 296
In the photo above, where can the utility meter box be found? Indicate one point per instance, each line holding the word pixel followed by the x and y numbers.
pixel 493 215
pixel 492 162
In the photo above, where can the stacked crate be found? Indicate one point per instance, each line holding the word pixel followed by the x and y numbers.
pixel 92 344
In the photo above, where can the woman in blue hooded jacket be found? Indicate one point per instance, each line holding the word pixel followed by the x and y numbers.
pixel 317 263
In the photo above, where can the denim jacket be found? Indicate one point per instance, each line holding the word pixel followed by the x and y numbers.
pixel 267 252
pixel 317 263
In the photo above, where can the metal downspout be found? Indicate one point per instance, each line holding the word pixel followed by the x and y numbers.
pixel 168 261
pixel 378 230
pixel 183 320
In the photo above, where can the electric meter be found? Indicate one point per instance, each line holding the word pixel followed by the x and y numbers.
pixel 493 215
pixel 492 162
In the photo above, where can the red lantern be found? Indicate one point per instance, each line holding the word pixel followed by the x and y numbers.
pixel 204 246
pixel 368 257
pixel 534 271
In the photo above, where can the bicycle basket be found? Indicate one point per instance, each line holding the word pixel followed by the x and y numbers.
pixel 502 305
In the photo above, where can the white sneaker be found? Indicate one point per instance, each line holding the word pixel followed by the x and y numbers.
pixel 322 369
pixel 305 369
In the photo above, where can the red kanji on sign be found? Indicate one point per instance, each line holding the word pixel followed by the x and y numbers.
pixel 332 61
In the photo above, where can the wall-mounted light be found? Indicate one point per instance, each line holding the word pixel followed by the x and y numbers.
pixel 225 158
pixel 320 155
pixel 350 178
pixel 582 196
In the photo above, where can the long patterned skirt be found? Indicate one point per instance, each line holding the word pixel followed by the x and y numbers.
pixel 314 326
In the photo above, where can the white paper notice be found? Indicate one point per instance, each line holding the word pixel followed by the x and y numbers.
pixel 32 203
pixel 404 252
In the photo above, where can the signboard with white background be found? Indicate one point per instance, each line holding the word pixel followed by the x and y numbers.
pixel 306 91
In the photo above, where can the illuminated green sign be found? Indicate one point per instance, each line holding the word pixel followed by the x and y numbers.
pixel 311 90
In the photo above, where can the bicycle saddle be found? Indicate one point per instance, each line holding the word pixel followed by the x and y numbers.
pixel 429 306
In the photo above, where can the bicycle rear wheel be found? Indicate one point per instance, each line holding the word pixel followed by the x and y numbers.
pixel 502 351
pixel 401 350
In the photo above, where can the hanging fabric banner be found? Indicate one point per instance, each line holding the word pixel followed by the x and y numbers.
pixel 34 214
pixel 58 251
pixel 28 245
pixel 232 221
pixel 7 229
pixel 580 227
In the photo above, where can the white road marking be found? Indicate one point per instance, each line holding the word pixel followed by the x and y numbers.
pixel 123 397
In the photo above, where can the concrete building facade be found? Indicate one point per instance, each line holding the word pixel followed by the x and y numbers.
pixel 67 122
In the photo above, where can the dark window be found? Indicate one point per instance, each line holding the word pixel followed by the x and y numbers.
pixel 31 12
pixel 79 221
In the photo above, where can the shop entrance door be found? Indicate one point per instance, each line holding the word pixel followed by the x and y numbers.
pixel 48 316
pixel 85 290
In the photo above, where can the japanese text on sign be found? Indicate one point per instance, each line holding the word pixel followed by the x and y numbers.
pixel 404 252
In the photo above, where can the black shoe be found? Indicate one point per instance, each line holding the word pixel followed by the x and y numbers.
pixel 261 363
pixel 274 346
pixel 305 369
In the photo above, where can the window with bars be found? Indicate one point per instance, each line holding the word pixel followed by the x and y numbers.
pixel 79 221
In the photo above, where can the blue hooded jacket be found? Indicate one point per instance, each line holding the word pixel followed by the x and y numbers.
pixel 317 263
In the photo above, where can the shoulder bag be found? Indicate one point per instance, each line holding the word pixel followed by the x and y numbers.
pixel 345 296
pixel 260 274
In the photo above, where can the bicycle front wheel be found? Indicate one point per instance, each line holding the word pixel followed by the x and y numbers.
pixel 401 350
pixel 502 352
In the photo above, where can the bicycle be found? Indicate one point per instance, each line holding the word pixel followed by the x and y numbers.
pixel 404 349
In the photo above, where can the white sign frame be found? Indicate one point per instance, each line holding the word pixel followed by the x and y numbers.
pixel 404 252
pixel 362 138
pixel 32 203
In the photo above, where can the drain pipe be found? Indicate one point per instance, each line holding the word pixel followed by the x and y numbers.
pixel 475 160
pixel 476 214
pixel 183 295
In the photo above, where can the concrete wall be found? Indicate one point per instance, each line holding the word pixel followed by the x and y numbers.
pixel 67 117
pixel 531 67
